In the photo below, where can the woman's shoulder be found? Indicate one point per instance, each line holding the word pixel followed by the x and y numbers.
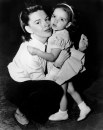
pixel 24 43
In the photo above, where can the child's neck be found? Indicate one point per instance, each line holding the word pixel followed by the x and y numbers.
pixel 54 31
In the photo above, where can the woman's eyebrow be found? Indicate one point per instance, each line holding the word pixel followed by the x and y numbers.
pixel 37 20
pixel 46 17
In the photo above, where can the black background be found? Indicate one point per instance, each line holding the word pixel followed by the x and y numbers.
pixel 89 19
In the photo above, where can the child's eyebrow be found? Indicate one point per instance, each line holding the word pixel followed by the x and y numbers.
pixel 63 18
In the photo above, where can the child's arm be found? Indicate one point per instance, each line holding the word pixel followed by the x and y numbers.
pixel 47 56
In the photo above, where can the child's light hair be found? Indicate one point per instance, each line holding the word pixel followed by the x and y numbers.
pixel 68 7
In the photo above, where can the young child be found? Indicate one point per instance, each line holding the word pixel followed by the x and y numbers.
pixel 62 19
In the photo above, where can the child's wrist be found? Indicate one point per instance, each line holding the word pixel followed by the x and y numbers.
pixel 56 65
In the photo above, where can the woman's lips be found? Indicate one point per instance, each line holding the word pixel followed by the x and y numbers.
pixel 47 30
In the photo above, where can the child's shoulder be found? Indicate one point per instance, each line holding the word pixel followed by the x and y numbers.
pixel 64 34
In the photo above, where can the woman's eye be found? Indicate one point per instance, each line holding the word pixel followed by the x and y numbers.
pixel 53 16
pixel 37 22
pixel 47 19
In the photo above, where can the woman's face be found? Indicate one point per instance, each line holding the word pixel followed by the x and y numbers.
pixel 59 19
pixel 39 24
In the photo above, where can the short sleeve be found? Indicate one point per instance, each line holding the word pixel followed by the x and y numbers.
pixel 59 42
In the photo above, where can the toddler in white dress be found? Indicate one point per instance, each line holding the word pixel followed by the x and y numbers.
pixel 62 19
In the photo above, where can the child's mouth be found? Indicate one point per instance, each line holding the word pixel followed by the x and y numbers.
pixel 54 26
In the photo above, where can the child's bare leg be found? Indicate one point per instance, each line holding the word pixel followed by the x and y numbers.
pixel 62 113
pixel 63 102
pixel 84 109
pixel 75 95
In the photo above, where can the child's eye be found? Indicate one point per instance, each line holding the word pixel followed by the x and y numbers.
pixel 62 19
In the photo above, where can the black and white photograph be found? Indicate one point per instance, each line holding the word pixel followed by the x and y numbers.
pixel 51 65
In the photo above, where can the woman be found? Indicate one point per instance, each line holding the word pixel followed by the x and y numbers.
pixel 30 89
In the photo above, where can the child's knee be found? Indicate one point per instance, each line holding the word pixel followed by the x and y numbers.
pixel 64 87
pixel 70 89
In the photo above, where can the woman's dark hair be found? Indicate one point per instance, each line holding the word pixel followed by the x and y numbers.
pixel 24 18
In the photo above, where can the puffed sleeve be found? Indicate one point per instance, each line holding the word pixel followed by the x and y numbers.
pixel 58 42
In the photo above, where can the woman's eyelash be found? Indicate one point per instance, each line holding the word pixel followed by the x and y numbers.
pixel 53 16
pixel 37 22
pixel 47 19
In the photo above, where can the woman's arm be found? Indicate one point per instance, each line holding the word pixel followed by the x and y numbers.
pixel 47 56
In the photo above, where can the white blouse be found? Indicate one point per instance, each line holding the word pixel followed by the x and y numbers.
pixel 25 66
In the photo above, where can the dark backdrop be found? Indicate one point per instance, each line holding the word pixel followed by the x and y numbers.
pixel 90 21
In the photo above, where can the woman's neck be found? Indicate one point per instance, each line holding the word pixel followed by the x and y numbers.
pixel 41 39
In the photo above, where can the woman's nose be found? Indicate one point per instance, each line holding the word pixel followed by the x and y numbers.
pixel 47 24
pixel 55 21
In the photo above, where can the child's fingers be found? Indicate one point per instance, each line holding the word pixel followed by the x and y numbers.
pixel 83 37
pixel 68 49
pixel 83 40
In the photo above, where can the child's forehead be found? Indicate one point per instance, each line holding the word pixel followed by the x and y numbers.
pixel 60 12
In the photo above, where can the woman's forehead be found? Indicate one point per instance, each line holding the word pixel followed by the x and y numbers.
pixel 40 14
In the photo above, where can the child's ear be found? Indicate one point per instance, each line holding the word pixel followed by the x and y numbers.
pixel 28 29
pixel 69 24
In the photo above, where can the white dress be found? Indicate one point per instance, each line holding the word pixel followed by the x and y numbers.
pixel 72 66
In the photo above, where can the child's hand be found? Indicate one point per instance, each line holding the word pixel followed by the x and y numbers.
pixel 68 49
pixel 32 50
pixel 83 43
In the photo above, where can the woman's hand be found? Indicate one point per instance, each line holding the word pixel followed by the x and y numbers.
pixel 63 56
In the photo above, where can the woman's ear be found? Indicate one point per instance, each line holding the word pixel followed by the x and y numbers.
pixel 28 29
pixel 68 25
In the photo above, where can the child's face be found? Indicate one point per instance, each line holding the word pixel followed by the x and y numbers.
pixel 39 24
pixel 59 19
